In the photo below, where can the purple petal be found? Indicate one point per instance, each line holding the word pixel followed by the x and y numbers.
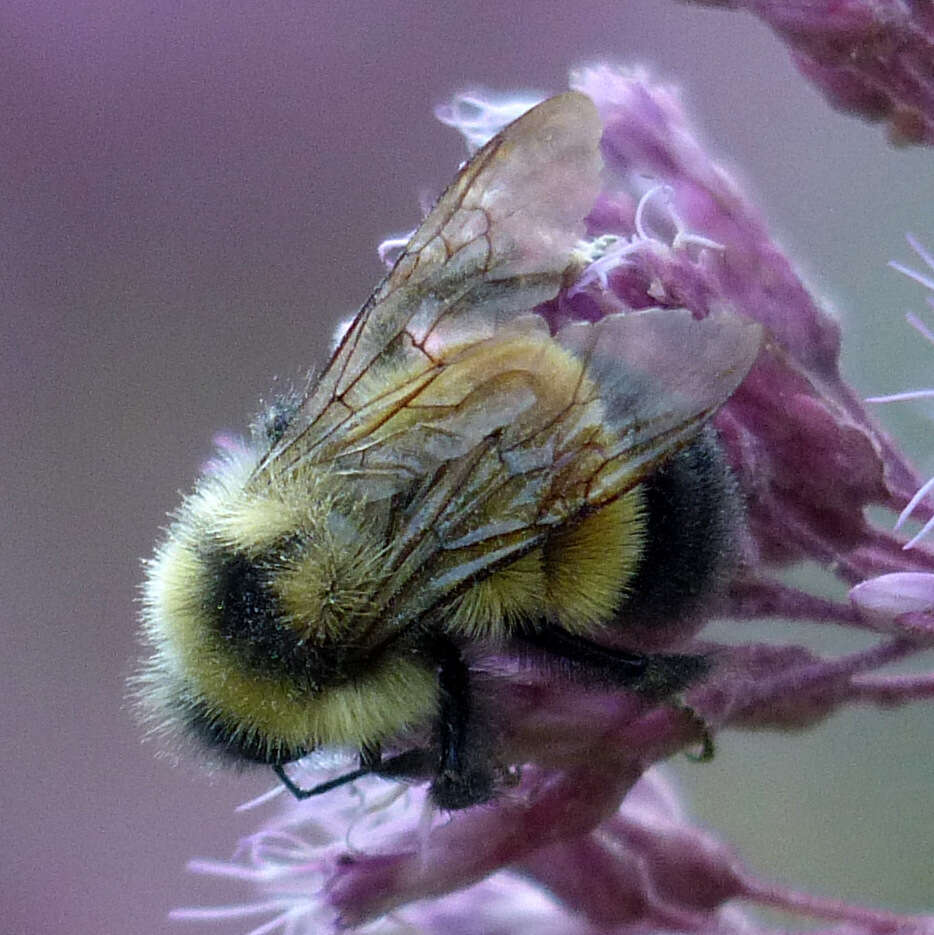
pixel 806 452
pixel 870 57
pixel 902 602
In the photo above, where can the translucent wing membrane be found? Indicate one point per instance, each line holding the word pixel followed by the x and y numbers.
pixel 590 414
pixel 498 242
pixel 661 374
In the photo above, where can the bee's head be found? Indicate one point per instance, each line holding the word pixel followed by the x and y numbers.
pixel 258 607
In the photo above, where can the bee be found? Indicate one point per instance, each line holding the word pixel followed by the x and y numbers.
pixel 456 474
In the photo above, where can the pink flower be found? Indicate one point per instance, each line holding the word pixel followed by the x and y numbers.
pixel 872 57
pixel 590 839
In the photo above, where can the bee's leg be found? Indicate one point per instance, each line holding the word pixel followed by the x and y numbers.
pixel 371 757
pixel 322 787
pixel 416 763
pixel 708 747
pixel 465 774
pixel 656 675
pixel 412 764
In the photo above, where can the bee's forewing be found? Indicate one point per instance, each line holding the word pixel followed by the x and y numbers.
pixel 498 242
pixel 661 374
pixel 656 377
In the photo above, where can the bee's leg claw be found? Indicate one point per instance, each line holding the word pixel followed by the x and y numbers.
pixel 707 748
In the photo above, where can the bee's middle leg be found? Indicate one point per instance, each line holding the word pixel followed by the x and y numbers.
pixel 653 675
pixel 465 773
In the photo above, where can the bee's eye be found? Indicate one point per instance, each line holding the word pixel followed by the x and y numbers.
pixel 276 425
pixel 275 420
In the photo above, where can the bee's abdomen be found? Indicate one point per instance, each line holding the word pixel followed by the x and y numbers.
pixel 590 564
pixel 691 516
pixel 251 623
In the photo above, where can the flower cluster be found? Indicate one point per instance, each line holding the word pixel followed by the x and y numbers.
pixel 871 57
pixel 591 839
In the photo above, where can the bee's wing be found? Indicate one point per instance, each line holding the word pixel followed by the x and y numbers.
pixel 661 374
pixel 649 382
pixel 498 242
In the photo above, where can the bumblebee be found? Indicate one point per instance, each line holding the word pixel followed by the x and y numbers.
pixel 457 473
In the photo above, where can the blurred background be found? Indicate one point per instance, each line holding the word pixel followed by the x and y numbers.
pixel 192 196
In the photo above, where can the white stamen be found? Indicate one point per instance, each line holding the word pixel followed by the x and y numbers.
pixel 913 502
pixel 233 912
pixel 389 250
pixel 920 326
pixel 641 232
pixel 925 280
pixel 916 245
pixel 479 117
pixel 925 529
pixel 262 799
pixel 901 397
